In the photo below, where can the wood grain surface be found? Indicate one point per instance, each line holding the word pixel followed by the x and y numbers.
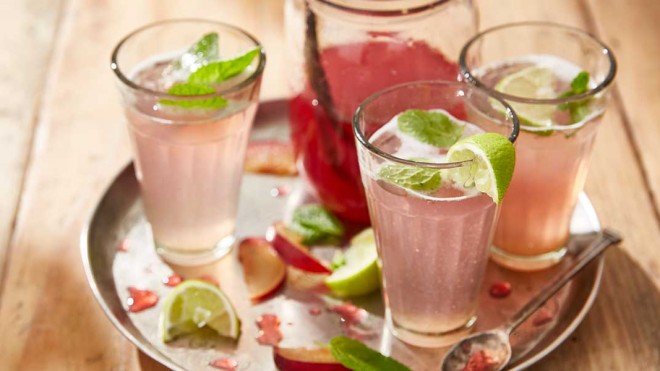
pixel 63 140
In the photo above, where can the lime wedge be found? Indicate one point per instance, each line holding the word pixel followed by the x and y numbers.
pixel 534 83
pixel 359 275
pixel 492 159
pixel 194 305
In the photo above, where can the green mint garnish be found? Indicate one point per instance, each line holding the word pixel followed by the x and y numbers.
pixel 316 225
pixel 357 356
pixel 202 52
pixel 411 177
pixel 434 128
pixel 217 72
pixel 580 109
pixel 191 90
pixel 206 48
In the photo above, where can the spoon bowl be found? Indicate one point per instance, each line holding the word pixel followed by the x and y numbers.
pixel 491 349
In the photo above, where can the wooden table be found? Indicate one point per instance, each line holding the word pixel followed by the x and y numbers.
pixel 63 140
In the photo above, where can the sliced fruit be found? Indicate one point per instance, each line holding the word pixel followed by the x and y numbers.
pixel 263 270
pixel 359 275
pixel 535 83
pixel 492 159
pixel 304 359
pixel 195 304
pixel 270 157
pixel 290 248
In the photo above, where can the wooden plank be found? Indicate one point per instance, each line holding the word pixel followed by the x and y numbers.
pixel 47 309
pixel 23 67
pixel 618 332
pixel 632 31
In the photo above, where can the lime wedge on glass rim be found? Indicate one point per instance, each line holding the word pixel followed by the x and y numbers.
pixel 533 83
pixel 195 304
pixel 492 159
pixel 359 275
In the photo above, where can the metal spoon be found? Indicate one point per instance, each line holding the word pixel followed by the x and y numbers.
pixel 496 343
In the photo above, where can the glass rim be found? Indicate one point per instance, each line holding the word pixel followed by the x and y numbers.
pixel 515 125
pixel 605 50
pixel 392 7
pixel 114 65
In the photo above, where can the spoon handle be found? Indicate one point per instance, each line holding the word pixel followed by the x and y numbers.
pixel 605 239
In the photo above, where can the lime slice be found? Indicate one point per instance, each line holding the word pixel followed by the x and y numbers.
pixel 359 275
pixel 534 83
pixel 194 305
pixel 492 160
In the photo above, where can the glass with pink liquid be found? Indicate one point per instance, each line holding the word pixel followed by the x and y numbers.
pixel 188 150
pixel 557 130
pixel 343 51
pixel 432 243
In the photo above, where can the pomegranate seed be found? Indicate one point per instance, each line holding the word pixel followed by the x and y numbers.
pixel 500 290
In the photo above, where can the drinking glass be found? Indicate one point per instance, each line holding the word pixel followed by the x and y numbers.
pixel 188 161
pixel 432 247
pixel 552 160
pixel 343 51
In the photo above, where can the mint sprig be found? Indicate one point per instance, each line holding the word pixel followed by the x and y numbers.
pixel 411 177
pixel 434 128
pixel 580 109
pixel 357 356
pixel 316 225
pixel 203 52
pixel 217 72
pixel 192 90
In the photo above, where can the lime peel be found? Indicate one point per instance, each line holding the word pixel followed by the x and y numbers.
pixel 491 159
pixel 196 304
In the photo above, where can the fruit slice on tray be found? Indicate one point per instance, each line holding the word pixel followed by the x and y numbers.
pixel 303 359
pixel 290 248
pixel 270 157
pixel 263 270
pixel 194 305
pixel 358 273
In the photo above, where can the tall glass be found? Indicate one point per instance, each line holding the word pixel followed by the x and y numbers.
pixel 188 161
pixel 433 247
pixel 343 51
pixel 552 160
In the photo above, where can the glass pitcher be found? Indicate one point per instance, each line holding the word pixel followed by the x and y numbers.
pixel 341 52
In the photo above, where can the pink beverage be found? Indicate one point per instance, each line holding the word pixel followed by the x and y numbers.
pixel 552 160
pixel 432 234
pixel 531 228
pixel 433 246
pixel 189 150
pixel 185 215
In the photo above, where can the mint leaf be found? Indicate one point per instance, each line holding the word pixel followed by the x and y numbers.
pixel 580 83
pixel 357 356
pixel 206 48
pixel 580 109
pixel 434 128
pixel 192 90
pixel 411 177
pixel 316 225
pixel 203 51
pixel 217 72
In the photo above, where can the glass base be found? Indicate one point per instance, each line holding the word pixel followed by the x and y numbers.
pixel 196 257
pixel 527 263
pixel 429 339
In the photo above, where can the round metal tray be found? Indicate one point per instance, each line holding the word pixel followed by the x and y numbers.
pixel 119 217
